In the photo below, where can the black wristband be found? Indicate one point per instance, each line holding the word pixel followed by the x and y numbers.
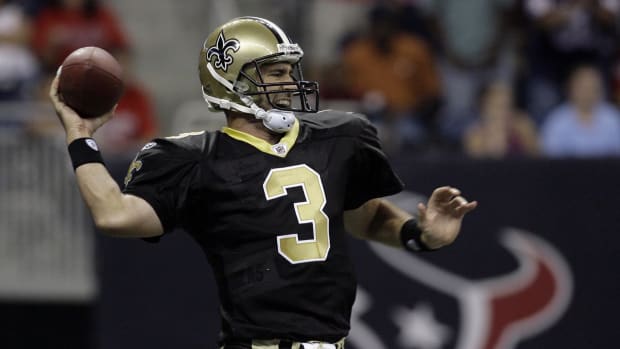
pixel 411 237
pixel 84 151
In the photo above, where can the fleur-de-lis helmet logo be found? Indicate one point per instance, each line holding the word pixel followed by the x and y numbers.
pixel 220 50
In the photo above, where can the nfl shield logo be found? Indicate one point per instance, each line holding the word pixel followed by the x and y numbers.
pixel 279 149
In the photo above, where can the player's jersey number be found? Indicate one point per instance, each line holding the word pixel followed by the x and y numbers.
pixel 276 184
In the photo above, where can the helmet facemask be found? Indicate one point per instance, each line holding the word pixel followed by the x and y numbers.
pixel 251 83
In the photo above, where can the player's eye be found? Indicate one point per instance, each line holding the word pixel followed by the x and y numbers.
pixel 277 73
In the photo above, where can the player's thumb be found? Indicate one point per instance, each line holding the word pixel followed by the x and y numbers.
pixel 421 211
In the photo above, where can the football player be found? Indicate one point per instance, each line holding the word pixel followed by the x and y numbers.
pixel 269 197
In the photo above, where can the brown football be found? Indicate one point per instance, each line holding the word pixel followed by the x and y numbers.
pixel 91 81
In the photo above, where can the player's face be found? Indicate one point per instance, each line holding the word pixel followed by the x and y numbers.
pixel 280 72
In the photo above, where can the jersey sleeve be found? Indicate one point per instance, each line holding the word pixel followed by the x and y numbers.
pixel 371 175
pixel 163 174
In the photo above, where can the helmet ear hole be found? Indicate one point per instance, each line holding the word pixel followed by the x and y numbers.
pixel 246 82
pixel 242 86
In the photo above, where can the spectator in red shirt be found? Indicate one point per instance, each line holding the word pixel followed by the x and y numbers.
pixel 67 25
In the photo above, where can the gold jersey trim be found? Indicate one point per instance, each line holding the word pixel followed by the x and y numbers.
pixel 280 149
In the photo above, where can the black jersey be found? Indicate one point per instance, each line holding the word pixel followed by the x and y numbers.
pixel 270 217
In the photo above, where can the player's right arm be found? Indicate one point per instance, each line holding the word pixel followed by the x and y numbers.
pixel 113 212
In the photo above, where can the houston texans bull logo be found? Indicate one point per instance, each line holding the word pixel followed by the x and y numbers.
pixel 220 51
pixel 495 313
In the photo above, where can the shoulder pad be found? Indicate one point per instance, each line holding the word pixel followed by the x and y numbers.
pixel 344 123
pixel 170 152
pixel 192 141
pixel 189 140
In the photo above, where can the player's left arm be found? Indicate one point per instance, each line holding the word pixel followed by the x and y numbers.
pixel 439 220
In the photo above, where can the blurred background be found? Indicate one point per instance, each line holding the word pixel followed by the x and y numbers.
pixel 513 101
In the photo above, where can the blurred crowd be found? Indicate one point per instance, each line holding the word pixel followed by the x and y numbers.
pixel 35 38
pixel 488 78
pixel 483 78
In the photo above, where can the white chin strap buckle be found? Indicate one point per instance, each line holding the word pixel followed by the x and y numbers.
pixel 279 121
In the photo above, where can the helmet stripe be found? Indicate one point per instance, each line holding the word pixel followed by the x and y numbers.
pixel 277 31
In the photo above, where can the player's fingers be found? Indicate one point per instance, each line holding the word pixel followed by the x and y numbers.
pixel 464 209
pixel 55 98
pixel 421 211
pixel 54 90
pixel 59 105
pixel 107 116
pixel 444 194
pixel 457 202
pixel 95 123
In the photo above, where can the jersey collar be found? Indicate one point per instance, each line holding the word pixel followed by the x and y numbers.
pixel 280 149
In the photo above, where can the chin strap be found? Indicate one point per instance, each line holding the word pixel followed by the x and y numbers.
pixel 276 120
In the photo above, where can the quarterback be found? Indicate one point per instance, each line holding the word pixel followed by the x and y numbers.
pixel 269 197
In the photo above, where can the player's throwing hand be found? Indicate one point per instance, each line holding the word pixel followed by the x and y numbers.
pixel 75 126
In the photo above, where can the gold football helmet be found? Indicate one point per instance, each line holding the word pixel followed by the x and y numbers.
pixel 231 80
